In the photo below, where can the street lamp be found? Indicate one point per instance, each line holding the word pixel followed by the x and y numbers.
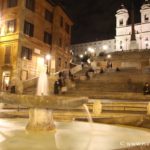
pixel 91 50
pixel 48 57
pixel 105 47
pixel 81 56
pixel 109 56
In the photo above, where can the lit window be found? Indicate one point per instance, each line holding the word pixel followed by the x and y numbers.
pixel 26 53
pixel 11 26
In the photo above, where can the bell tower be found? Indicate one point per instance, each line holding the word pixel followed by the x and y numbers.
pixel 145 12
pixel 122 17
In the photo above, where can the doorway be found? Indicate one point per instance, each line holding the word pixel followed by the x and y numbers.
pixel 5 80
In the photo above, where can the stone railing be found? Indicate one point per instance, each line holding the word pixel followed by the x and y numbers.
pixel 30 83
pixel 76 69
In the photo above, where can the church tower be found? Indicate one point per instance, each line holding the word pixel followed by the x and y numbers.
pixel 145 12
pixel 122 17
pixel 145 21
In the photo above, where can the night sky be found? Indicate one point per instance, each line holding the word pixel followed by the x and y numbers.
pixel 95 19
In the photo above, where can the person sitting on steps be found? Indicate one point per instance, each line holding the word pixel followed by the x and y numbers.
pixel 146 89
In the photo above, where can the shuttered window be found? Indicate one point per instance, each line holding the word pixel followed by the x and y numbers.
pixel 47 38
pixel 30 4
pixel 26 53
pixel 7 54
pixel 12 3
pixel 28 28
pixel 48 15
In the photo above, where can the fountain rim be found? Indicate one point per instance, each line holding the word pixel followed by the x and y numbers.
pixel 43 102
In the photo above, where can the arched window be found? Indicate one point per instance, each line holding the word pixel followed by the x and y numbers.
pixel 121 22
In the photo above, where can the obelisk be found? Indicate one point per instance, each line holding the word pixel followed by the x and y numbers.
pixel 133 42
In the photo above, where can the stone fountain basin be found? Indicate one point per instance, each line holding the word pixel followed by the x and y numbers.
pixel 70 136
pixel 43 102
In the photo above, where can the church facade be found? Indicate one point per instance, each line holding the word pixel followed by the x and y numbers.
pixel 142 29
pixel 122 39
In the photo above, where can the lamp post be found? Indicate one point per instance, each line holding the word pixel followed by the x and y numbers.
pixel 48 57
pixel 91 52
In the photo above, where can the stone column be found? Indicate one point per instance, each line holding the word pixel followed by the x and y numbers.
pixel 97 107
pixel 40 120
pixel 148 108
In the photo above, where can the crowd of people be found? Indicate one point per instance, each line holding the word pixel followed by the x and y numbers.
pixel 60 84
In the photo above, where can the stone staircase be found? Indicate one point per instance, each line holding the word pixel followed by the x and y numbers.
pixel 134 107
pixel 111 82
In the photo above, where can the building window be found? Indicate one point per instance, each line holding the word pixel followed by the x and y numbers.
pixel 66 64
pixel 61 21
pixel 146 18
pixel 30 4
pixel 12 3
pixel 60 42
pixel 146 43
pixel 26 53
pixel 11 26
pixel 50 2
pixel 47 38
pixel 48 16
pixel 121 22
pixel 67 28
pixel 59 62
pixel 7 54
pixel 28 28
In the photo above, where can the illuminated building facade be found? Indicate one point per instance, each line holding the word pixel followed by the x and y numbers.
pixel 29 30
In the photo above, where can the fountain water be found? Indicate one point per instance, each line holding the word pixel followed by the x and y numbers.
pixel 42 87
pixel 88 113
pixel 41 119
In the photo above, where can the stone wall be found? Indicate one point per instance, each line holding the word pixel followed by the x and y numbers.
pixel 137 59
